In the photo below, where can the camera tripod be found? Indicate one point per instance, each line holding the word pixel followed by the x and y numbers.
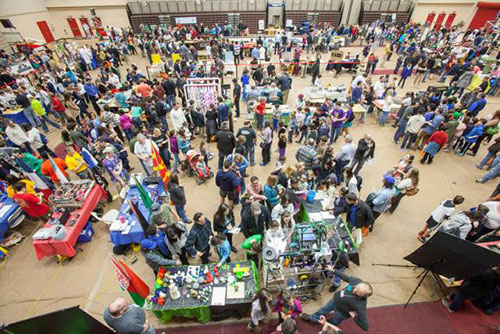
pixel 422 276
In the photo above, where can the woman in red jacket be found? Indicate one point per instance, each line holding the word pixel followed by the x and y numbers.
pixel 434 145
pixel 260 111
pixel 58 106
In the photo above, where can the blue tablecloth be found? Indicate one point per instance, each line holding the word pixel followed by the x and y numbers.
pixel 9 217
pixel 136 234
pixel 17 116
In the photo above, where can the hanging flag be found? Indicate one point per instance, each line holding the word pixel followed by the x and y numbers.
pixel 89 158
pixel 159 165
pixel 140 217
pixel 146 199
pixel 129 281
pixel 60 175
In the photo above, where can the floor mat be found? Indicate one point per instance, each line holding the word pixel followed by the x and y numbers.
pixel 419 318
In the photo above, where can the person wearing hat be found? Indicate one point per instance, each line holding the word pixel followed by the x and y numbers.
pixel 382 198
pixel 163 214
pixel 254 218
pixel 153 256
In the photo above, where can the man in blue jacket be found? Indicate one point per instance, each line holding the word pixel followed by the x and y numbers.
pixel 477 105
pixel 228 183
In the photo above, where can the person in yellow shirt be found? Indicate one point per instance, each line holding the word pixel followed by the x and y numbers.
pixel 76 163
pixel 11 180
pixel 42 115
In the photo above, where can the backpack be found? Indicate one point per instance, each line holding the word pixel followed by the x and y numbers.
pixel 412 191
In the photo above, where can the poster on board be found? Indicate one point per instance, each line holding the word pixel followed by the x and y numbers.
pixel 262 25
pixel 289 23
pixel 21 68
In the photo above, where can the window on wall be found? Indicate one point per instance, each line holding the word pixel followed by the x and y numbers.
pixel 6 23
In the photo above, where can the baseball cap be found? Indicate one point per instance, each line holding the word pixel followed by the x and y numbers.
pixel 155 207
pixel 255 207
pixel 107 150
pixel 148 244
pixel 389 179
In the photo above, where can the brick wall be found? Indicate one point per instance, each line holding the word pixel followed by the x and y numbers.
pixel 369 17
pixel 332 17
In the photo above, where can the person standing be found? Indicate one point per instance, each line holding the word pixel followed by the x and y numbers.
pixel 32 204
pixel 178 197
pixel 347 303
pixel 236 96
pixel 434 144
pixel 344 157
pixel 382 198
pixel 198 241
pixel 226 142
pixel 250 139
pixel 23 100
pixel 254 218
pixel 285 84
pixel 75 163
pixel 17 136
pixel 365 151
pixel 267 140
pixel 338 117
pixel 228 182
pixel 413 126
pixel 127 319
pixel 407 184
pixel 143 149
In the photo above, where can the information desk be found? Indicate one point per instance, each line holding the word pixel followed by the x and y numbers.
pixel 131 231
pixel 221 298
pixel 74 226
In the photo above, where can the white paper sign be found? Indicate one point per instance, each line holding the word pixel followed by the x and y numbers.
pixel 289 23
pixel 185 20
pixel 262 25
pixel 22 68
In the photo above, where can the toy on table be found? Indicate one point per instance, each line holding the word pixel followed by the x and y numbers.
pixel 241 271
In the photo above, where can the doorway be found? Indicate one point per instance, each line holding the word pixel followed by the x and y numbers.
pixel 45 30
pixel 86 26
pixel 74 27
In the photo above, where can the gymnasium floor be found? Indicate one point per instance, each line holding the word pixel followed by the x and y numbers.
pixel 30 287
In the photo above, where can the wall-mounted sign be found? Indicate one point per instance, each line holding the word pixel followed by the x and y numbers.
pixel 262 25
pixel 185 20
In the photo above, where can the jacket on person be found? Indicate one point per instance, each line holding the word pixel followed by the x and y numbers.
pixel 381 200
pixel 155 259
pixel 465 79
pixel 177 195
pixel 363 148
pixel 249 226
pixel 363 215
pixel 227 180
pixel 346 302
pixel 199 238
pixel 459 225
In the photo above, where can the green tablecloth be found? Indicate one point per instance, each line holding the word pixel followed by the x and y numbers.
pixel 201 313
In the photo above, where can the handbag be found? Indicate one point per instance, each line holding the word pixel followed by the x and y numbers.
pixel 412 191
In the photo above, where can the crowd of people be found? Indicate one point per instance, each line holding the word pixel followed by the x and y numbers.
pixel 141 115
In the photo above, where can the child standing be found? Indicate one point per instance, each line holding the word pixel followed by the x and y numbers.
pixel 221 245
pixel 276 117
pixel 174 148
pixel 287 306
pixel 260 309
pixel 282 141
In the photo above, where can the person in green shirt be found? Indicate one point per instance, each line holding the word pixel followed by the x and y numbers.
pixel 42 115
pixel 163 214
pixel 31 161
pixel 253 247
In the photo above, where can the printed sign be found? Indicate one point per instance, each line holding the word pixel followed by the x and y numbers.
pixel 22 68
pixel 185 20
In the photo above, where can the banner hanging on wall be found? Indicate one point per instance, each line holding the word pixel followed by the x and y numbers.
pixel 21 68
pixel 185 20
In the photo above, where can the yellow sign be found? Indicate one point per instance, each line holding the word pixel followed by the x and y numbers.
pixel 155 57
pixel 175 57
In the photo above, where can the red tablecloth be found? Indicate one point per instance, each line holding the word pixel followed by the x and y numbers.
pixel 64 247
